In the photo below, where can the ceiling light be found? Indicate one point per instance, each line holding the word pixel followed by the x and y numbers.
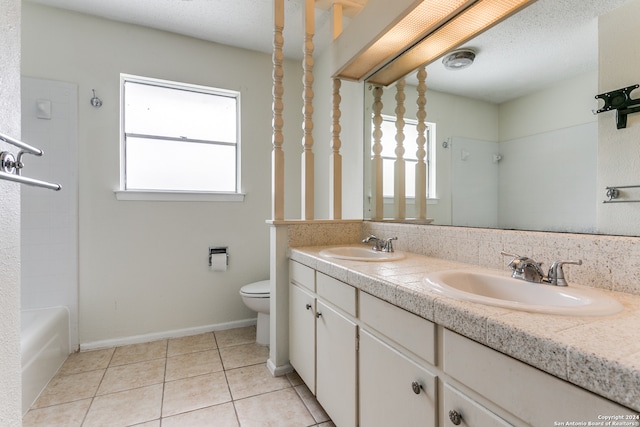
pixel 459 59
pixel 388 41
pixel 475 19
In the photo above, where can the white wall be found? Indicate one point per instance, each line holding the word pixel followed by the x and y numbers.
pixel 619 149
pixel 49 219
pixel 143 265
pixel 10 393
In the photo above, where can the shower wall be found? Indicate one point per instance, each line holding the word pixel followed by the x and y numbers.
pixel 49 219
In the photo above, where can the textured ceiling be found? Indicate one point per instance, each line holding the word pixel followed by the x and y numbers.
pixel 549 41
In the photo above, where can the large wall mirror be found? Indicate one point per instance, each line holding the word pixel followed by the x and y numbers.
pixel 514 138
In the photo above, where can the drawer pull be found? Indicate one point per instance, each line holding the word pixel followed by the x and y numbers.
pixel 416 387
pixel 455 417
pixel 318 315
pixel 308 306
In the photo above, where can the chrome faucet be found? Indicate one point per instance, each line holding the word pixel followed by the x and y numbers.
pixel 382 245
pixel 525 268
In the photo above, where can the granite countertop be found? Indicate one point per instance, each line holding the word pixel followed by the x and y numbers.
pixel 601 354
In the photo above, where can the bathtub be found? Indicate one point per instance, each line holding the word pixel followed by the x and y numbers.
pixel 44 345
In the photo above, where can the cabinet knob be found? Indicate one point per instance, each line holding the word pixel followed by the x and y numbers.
pixel 308 306
pixel 318 315
pixel 455 417
pixel 416 387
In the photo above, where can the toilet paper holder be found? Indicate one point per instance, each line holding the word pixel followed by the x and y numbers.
pixel 214 250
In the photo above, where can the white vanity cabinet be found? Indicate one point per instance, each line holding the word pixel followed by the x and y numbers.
pixel 397 386
pixel 517 391
pixel 323 340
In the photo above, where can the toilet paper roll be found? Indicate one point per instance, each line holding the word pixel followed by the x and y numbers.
pixel 218 262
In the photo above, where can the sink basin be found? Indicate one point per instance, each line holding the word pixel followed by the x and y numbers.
pixel 358 253
pixel 504 291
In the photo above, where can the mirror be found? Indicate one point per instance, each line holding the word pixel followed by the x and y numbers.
pixel 516 139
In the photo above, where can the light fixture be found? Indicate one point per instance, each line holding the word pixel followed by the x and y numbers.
pixel 459 59
pixel 424 32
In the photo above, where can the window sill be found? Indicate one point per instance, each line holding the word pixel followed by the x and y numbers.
pixel 178 196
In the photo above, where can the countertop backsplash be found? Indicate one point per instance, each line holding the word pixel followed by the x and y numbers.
pixel 608 262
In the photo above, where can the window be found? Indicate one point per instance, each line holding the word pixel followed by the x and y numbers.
pixel 410 145
pixel 178 137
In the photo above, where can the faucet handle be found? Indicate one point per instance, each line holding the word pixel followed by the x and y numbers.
pixel 556 273
pixel 388 246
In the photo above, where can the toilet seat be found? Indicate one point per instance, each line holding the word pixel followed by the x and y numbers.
pixel 260 289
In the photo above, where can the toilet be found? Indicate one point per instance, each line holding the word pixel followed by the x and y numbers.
pixel 257 296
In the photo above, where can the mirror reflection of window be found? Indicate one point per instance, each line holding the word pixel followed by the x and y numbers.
pixel 410 145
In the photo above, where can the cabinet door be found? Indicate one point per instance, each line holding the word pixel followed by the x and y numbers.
pixel 336 365
pixel 394 391
pixel 468 412
pixel 302 337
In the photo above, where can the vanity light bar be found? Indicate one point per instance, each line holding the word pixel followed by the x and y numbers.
pixel 419 22
pixel 471 22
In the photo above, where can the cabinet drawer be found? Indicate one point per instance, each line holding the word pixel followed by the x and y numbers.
pixel 534 396
pixel 337 293
pixel 471 413
pixel 410 331
pixel 302 275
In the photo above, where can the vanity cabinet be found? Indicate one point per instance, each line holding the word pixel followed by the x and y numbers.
pixel 372 364
pixel 323 340
pixel 520 390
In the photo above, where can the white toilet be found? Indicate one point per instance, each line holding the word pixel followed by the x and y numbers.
pixel 257 296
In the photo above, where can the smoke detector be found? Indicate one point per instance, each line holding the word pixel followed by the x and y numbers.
pixel 459 59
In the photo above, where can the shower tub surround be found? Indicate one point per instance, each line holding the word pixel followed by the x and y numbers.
pixel 600 354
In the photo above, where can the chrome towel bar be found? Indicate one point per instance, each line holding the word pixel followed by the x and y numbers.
pixel 613 193
pixel 11 166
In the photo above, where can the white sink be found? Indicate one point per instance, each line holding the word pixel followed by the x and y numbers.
pixel 357 253
pixel 503 291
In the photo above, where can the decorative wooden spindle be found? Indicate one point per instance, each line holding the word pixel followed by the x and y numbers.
pixel 307 112
pixel 377 197
pixel 277 158
pixel 421 166
pixel 335 161
pixel 399 164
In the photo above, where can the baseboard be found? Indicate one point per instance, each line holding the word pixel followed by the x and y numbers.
pixel 278 371
pixel 176 333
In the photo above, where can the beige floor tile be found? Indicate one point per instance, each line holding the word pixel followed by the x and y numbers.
pixel 154 423
pixel 327 424
pixel 69 388
pixel 193 364
pixel 139 352
pixel 134 375
pixel 86 361
pixel 309 400
pixel 63 415
pixel 191 344
pixel 126 407
pixel 195 393
pixel 254 380
pixel 238 336
pixel 281 408
pixel 243 355
pixel 219 416
pixel 294 379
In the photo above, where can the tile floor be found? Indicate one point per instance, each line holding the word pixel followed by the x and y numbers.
pixel 214 379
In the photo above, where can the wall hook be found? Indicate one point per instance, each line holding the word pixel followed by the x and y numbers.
pixel 95 101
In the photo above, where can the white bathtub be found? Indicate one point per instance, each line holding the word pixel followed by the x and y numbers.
pixel 44 343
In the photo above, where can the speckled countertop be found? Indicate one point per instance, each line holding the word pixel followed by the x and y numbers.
pixel 601 354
